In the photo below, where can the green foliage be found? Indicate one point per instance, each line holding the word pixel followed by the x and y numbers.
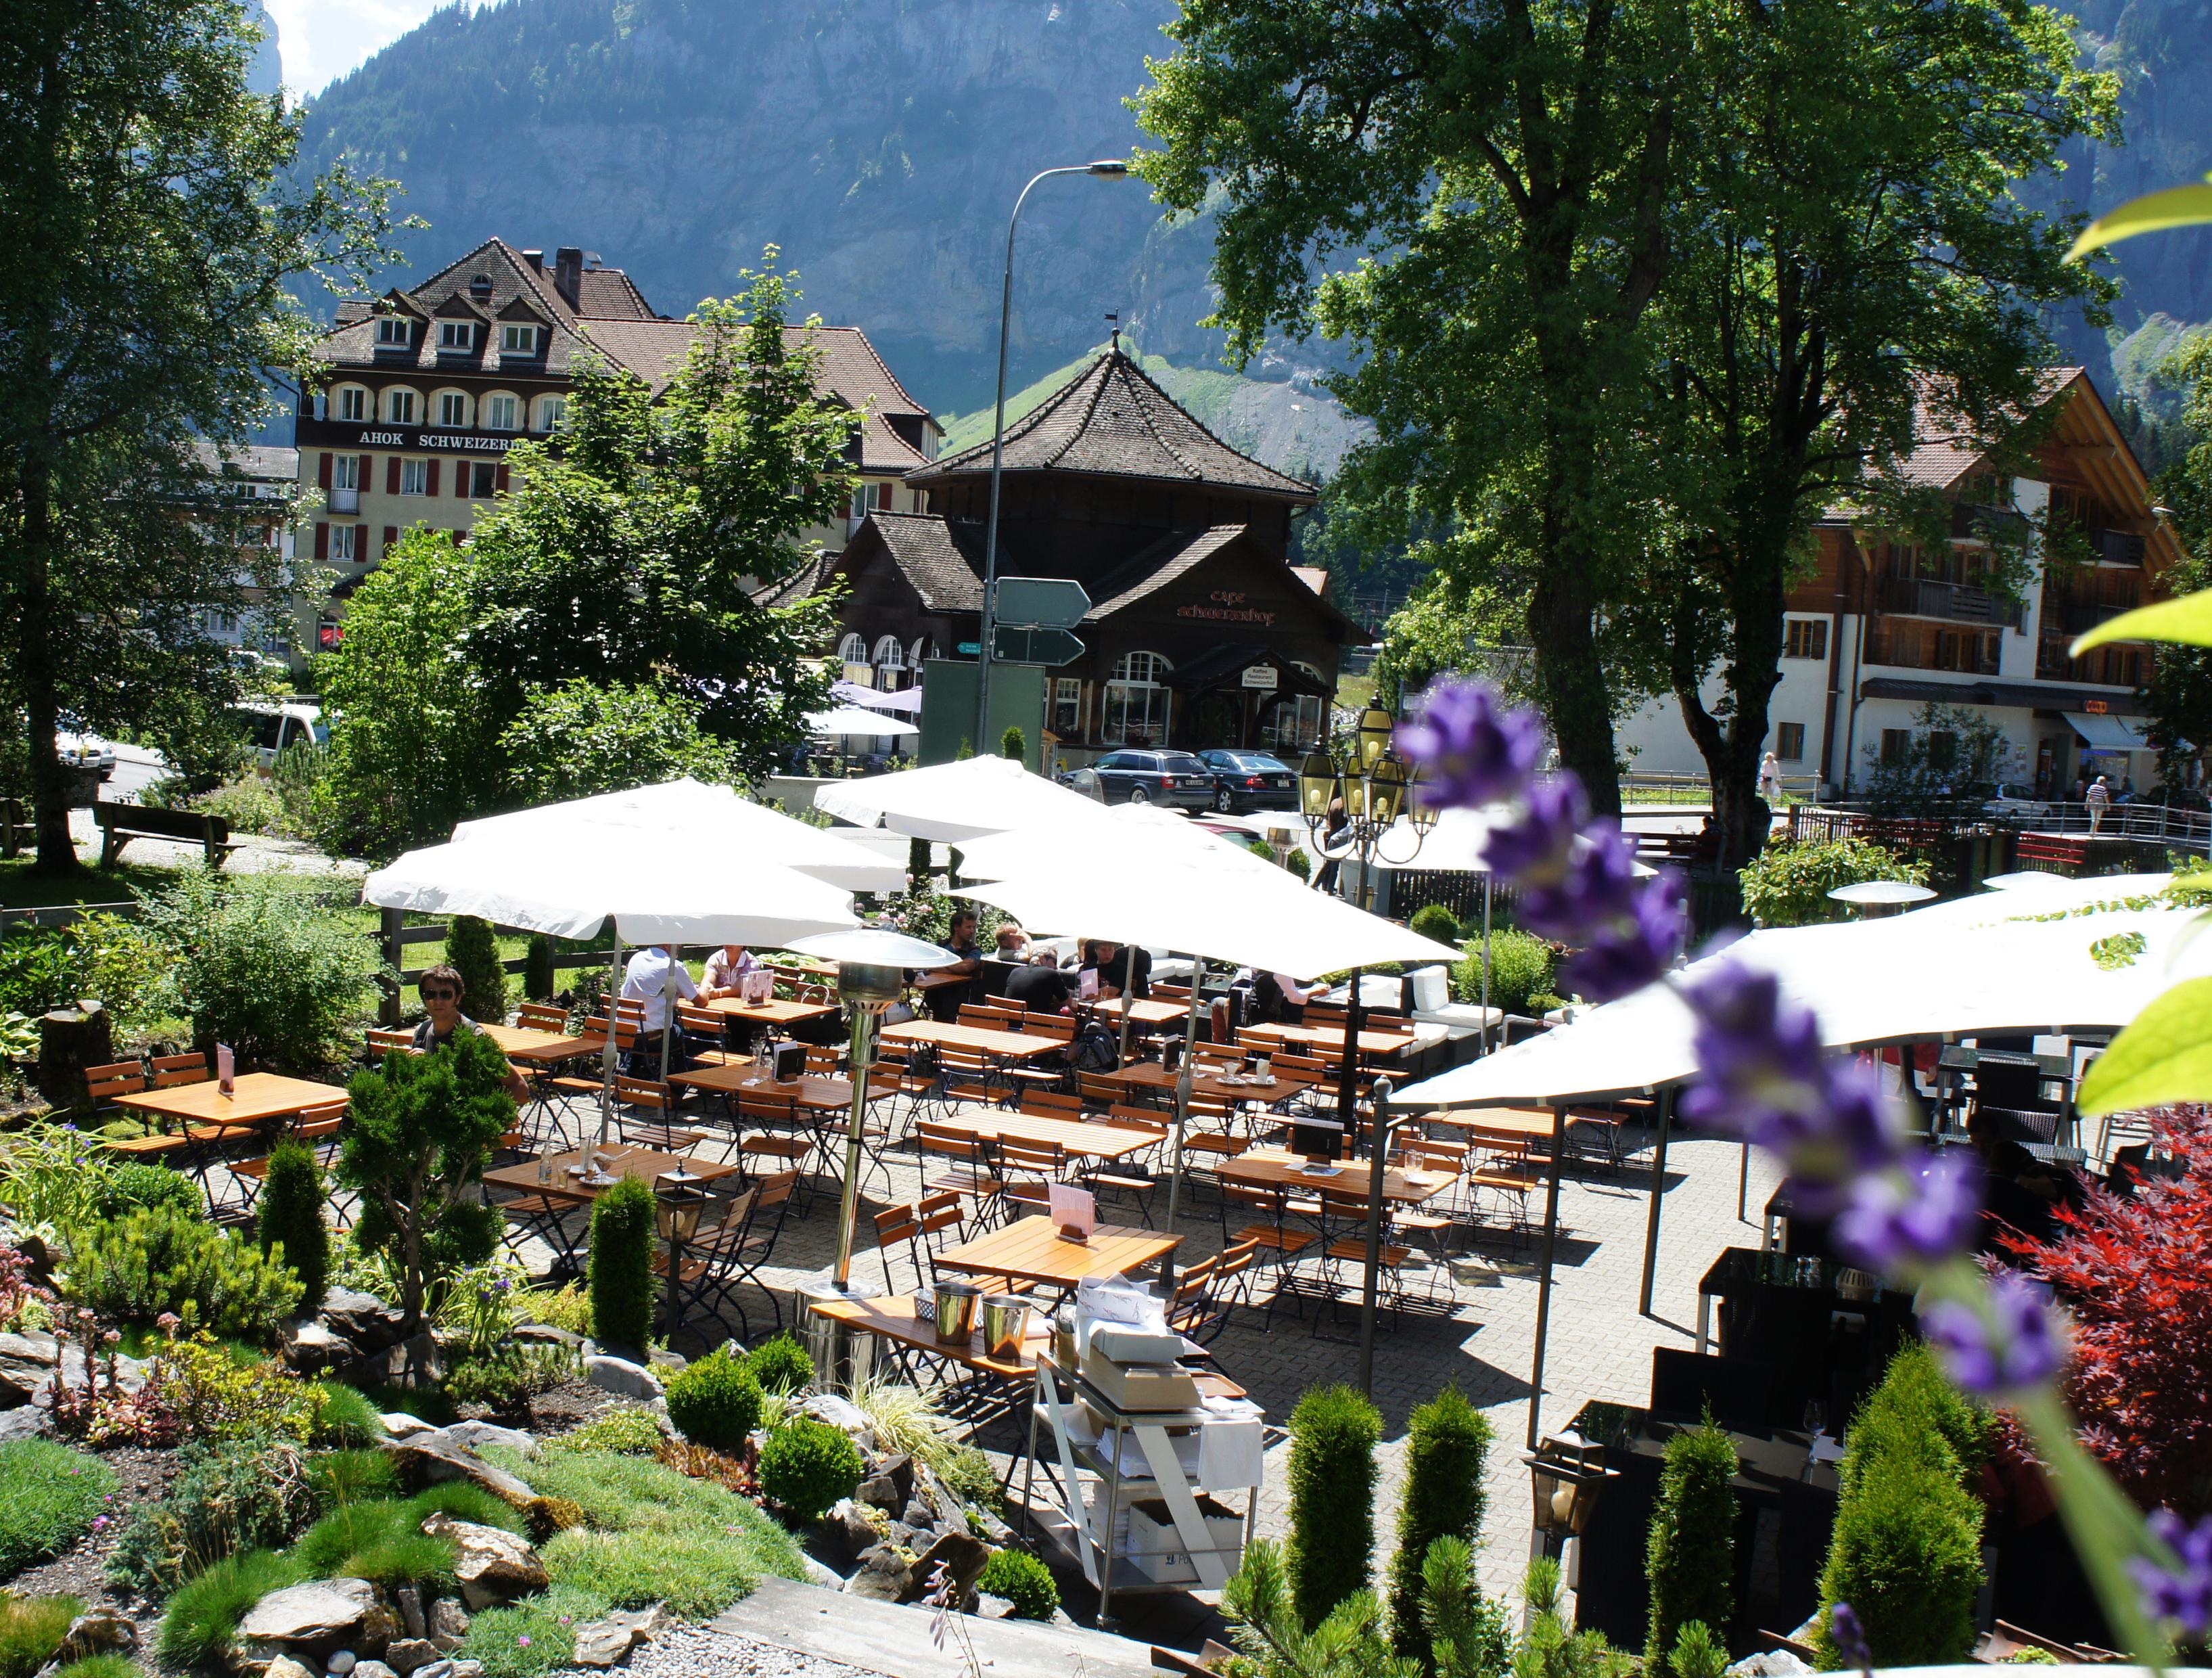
pixel 247 805
pixel 906 1419
pixel 135 1186
pixel 1952 753
pixel 1435 921
pixel 1788 885
pixel 222 1392
pixel 1334 1432
pixel 100 1666
pixel 346 1417
pixel 1691 1553
pixel 1522 967
pixel 578 738
pixel 290 1218
pixel 1550 1648
pixel 422 1127
pixel 353 1475
pixel 1464 1631
pixel 51 1176
pixel 538 980
pixel 569 1306
pixel 484 1302
pixel 626 1432
pixel 31 1629
pixel 967 1473
pixel 1299 864
pixel 466 1502
pixel 1447 1443
pixel 202 1615
pixel 1697 1654
pixel 532 1637
pixel 262 966
pixel 1907 1549
pixel 1012 745
pixel 544 1517
pixel 160 1260
pixel 1467 1632
pixel 1023 1580
pixel 472 952
pixel 781 1365
pixel 807 1466
pixel 506 1381
pixel 383 1541
pixel 97 955
pixel 230 1499
pixel 622 1235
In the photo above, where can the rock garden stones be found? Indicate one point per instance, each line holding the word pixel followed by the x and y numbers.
pixel 493 1566
pixel 435 1455
pixel 309 1622
pixel 27 1365
pixel 449 1624
pixel 608 1642
pixel 621 1376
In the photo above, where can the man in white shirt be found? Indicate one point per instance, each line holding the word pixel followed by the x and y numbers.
pixel 652 975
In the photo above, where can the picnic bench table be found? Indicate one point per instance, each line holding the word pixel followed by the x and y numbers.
pixel 255 1098
pixel 1152 1076
pixel 549 1175
pixel 1008 1045
pixel 521 1043
pixel 1142 1010
pixel 119 823
pixel 1032 1249
pixel 890 1316
pixel 1074 1136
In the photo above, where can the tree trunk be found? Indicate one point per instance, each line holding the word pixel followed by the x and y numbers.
pixel 50 782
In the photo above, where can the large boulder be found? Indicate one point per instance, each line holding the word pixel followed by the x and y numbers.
pixel 309 1347
pixel 414 1362
pixel 363 1318
pixel 27 1365
pixel 476 1435
pixel 621 1376
pixel 436 1455
pixel 493 1566
pixel 308 1621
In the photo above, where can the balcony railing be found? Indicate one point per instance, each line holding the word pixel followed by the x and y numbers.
pixel 345 500
pixel 2076 617
pixel 1955 603
pixel 2120 547
pixel 1970 523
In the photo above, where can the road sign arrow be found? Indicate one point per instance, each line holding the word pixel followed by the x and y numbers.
pixel 1041 603
pixel 1044 647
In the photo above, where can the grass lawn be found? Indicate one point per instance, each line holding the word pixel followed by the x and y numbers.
pixel 22 887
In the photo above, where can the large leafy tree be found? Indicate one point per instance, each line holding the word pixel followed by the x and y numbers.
pixel 151 237
pixel 1500 170
pixel 1848 262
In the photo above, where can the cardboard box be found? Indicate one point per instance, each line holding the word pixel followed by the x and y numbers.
pixel 1157 1550
pixel 1141 1386
pixel 1135 1345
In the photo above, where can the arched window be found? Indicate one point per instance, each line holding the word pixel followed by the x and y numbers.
pixel 451 409
pixel 552 410
pixel 890 655
pixel 924 649
pixel 400 406
pixel 503 412
pixel 852 650
pixel 1136 703
pixel 350 403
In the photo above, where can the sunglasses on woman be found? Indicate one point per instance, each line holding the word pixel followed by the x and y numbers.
pixel 442 996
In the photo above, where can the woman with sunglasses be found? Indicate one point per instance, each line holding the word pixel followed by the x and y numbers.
pixel 440 990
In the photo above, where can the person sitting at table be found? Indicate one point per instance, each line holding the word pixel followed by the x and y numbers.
pixel 648 979
pixel 439 987
pixel 1109 961
pixel 1013 942
pixel 725 971
pixel 1276 998
pixel 1040 985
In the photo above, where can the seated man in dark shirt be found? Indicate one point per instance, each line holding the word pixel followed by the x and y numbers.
pixel 1041 987
pixel 1110 961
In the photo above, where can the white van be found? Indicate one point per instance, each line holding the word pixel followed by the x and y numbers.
pixel 272 725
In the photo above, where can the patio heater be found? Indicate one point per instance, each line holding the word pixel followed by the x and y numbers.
pixel 679 1197
pixel 1567 1475
pixel 1377 787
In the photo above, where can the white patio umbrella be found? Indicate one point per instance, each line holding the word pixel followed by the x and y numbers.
pixel 694 813
pixel 852 693
pixel 851 720
pixel 949 802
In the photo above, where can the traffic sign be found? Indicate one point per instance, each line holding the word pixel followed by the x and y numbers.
pixel 1041 603
pixel 1045 647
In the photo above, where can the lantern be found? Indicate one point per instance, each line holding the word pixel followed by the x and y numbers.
pixel 1567 1475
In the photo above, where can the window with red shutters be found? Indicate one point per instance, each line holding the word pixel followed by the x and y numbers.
pixel 433 489
pixel 368 470
pixel 323 472
pixel 322 540
pixel 391 535
pixel 391 476
pixel 883 496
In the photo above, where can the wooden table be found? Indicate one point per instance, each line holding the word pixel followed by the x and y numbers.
pixel 1142 1010
pixel 1152 1075
pixel 1534 1123
pixel 1296 1037
pixel 1090 1141
pixel 519 1042
pixel 1271 1168
pixel 1006 1045
pixel 938 979
pixel 623 1162
pixel 775 1011
pixel 890 1316
pixel 815 1093
pixel 1033 1250
pixel 256 1099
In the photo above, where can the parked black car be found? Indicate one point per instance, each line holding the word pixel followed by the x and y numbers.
pixel 1173 778
pixel 1249 780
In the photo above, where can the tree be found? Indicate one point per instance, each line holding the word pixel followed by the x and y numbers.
pixel 420 1129
pixel 472 951
pixel 1851 272
pixel 1502 172
pixel 577 739
pixel 1691 1553
pixel 1447 1441
pixel 1954 751
pixel 2179 692
pixel 151 235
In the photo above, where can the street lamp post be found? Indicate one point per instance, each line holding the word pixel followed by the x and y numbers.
pixel 1106 168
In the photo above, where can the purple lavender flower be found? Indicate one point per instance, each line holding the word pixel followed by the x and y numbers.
pixel 1759 1058
pixel 1626 959
pixel 1476 748
pixel 1918 1215
pixel 2181 1594
pixel 1535 848
pixel 1597 888
pixel 2016 1346
pixel 1850 1637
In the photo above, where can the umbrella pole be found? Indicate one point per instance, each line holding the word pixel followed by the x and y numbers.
pixel 1544 1281
pixel 1347 1083
pixel 1182 1114
pixel 1128 983
pixel 668 1009
pixel 1658 1187
pixel 861 1055
pixel 1371 1280
pixel 607 1061
pixel 1485 962
pixel 1743 1185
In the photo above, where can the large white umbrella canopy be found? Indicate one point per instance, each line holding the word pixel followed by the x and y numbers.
pixel 852 693
pixel 693 814
pixel 2008 961
pixel 951 802
pixel 1093 837
pixel 852 720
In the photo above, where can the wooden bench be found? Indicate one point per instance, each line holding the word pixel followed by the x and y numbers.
pixel 17 830
pixel 119 823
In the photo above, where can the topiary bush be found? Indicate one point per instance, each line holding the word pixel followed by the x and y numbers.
pixel 135 1186
pixel 715 1402
pixel 621 1263
pixel 31 1629
pixel 1023 1580
pixel 781 1365
pixel 1690 1556
pixel 1522 967
pixel 472 951
pixel 160 1258
pixel 290 1219
pixel 538 969
pixel 1447 1441
pixel 50 1496
pixel 1333 1432
pixel 807 1466
pixel 1435 921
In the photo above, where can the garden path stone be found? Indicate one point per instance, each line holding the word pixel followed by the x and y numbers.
pixel 493 1566
pixel 436 1455
pixel 440 1668
pixel 603 1643
pixel 317 1619
pixel 621 1376
pixel 476 1435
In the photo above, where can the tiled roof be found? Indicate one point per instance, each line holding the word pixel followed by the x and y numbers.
pixel 943 560
pixel 800 584
pixel 1944 450
pixel 1111 421
pixel 1155 568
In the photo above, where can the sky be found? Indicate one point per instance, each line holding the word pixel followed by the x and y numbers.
pixel 322 40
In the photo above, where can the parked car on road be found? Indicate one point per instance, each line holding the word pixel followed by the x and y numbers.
pixel 1177 778
pixel 2014 798
pixel 87 753
pixel 1249 780
pixel 271 726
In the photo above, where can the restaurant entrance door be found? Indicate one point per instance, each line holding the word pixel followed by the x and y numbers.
pixel 1215 717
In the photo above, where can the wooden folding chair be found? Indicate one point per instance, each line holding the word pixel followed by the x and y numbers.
pixel 744 1245
pixel 706 1034
pixel 170 1071
pixel 965 1170
pixel 1052 1104
pixel 543 1016
pixel 1028 1170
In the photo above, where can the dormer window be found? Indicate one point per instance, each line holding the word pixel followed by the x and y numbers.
pixel 391 329
pixel 517 340
pixel 456 335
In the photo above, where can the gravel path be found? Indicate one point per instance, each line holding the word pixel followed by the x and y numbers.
pixel 701 1651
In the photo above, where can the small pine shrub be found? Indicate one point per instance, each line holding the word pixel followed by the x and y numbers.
pixel 203 1616
pixel 633 1432
pixel 1333 1432
pixel 162 1260
pixel 31 1629
pixel 537 970
pixel 715 1402
pixel 1697 1655
pixel 621 1263
pixel 472 951
pixel 807 1466
pixel 50 1496
pixel 1447 1441
pixel 291 1218
pixel 136 1185
pixel 781 1365
pixel 1690 1557
pixel 1435 921
pixel 1023 1580
pixel 1012 745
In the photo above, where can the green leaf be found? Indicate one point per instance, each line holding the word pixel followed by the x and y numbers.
pixel 2153 212
pixel 2165 1056
pixel 2188 619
